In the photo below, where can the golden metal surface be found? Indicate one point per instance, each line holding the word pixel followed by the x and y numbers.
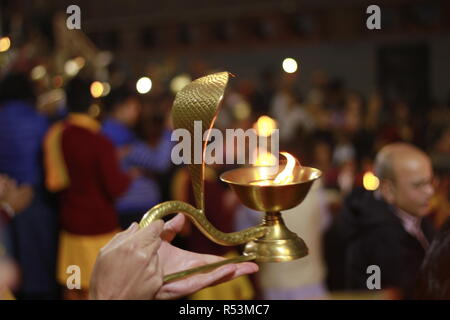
pixel 199 219
pixel 199 101
pixel 207 267
pixel 270 198
pixel 270 241
pixel 279 243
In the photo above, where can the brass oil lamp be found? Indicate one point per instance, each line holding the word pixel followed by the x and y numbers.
pixel 256 187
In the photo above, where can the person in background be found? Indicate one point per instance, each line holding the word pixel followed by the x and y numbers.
pixel 123 109
pixel 13 200
pixel 303 278
pixel 83 169
pixel 387 227
pixel 31 235
pixel 434 275
pixel 440 156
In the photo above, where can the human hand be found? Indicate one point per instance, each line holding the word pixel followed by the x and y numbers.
pixel 173 259
pixel 8 274
pixel 128 266
pixel 18 197
pixel 133 263
pixel 5 183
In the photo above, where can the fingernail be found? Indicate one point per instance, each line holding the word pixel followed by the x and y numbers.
pixel 133 226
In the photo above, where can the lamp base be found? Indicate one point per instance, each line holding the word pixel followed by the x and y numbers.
pixel 278 244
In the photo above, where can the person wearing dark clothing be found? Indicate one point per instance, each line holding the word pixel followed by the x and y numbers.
pixel 123 109
pixel 31 235
pixel 434 274
pixel 387 228
pixel 373 234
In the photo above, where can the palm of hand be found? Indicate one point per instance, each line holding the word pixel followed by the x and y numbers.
pixel 174 259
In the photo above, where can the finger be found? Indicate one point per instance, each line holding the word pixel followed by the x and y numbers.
pixel 245 268
pixel 149 234
pixel 172 227
pixel 184 259
pixel 194 283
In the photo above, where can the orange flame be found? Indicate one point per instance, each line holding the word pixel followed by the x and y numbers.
pixel 286 175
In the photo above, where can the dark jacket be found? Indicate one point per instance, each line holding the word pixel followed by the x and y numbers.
pixel 367 232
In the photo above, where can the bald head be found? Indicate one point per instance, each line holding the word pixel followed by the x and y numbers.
pixel 406 177
pixel 393 157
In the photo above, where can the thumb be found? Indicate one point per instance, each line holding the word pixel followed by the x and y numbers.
pixel 172 227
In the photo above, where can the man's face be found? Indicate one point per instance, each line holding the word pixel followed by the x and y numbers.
pixel 413 185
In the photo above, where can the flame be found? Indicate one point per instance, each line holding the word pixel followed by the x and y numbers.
pixel 370 181
pixel 286 175
pixel 265 125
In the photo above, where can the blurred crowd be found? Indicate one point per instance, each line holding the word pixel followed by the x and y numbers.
pixel 75 168
pixel 332 128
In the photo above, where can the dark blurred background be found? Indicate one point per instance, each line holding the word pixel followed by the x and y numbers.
pixel 345 92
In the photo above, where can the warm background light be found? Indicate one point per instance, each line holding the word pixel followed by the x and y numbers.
pixel 106 89
pixel 265 125
pixel 71 68
pixel 289 65
pixel 179 82
pixel 96 89
pixel 5 44
pixel 94 110
pixel 370 181
pixel 242 110
pixel 38 72
pixel 144 85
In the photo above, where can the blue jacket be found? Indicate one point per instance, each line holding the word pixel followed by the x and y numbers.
pixel 143 192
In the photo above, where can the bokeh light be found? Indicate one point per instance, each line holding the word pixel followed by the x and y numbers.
pixel 265 125
pixel 96 89
pixel 144 85
pixel 71 68
pixel 106 89
pixel 38 72
pixel 5 44
pixel 179 82
pixel 370 181
pixel 289 65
